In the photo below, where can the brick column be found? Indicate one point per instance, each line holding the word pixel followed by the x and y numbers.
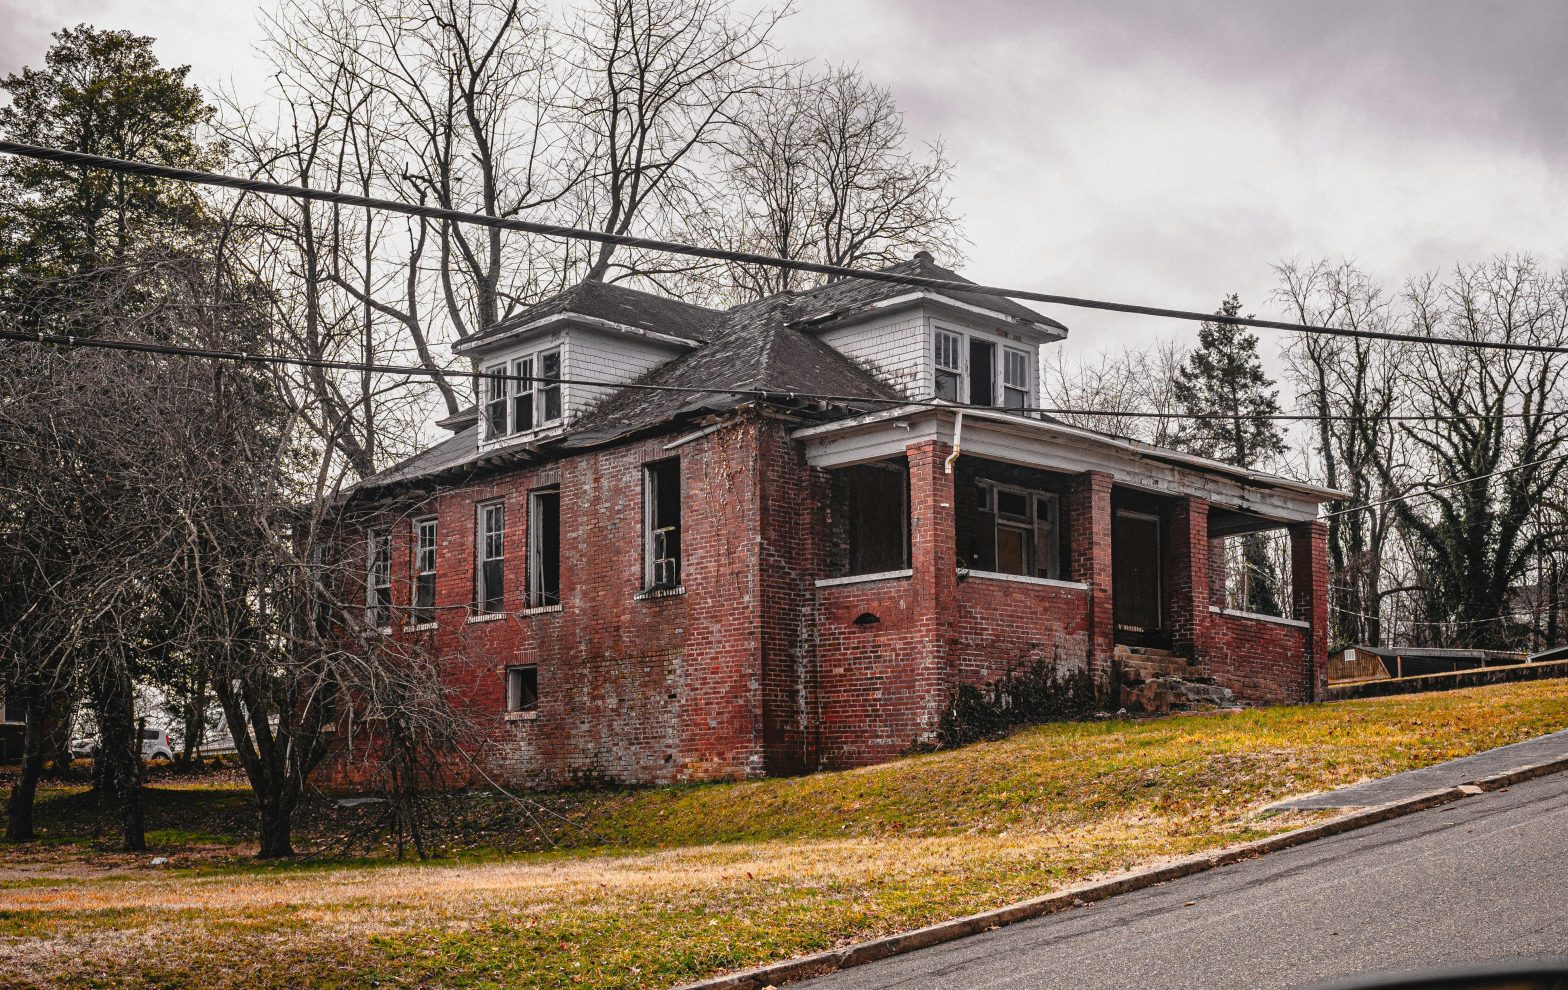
pixel 1217 577
pixel 1188 594
pixel 1309 589
pixel 933 555
pixel 1089 533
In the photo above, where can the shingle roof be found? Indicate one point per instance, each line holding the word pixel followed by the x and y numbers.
pixel 615 304
pixel 851 294
pixel 757 346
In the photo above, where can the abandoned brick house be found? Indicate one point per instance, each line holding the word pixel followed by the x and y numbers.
pixel 653 585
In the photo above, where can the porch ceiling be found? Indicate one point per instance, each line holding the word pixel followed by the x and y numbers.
pixel 1055 446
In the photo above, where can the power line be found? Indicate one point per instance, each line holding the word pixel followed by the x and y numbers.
pixel 420 371
pixel 252 185
pixel 1440 488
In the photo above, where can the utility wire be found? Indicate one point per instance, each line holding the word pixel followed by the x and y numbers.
pixel 252 185
pixel 1440 488
pixel 420 371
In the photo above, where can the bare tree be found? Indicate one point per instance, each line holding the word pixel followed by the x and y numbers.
pixel 819 170
pixel 1350 386
pixel 657 84
pixel 1116 386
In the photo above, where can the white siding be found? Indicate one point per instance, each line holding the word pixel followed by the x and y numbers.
pixel 603 357
pixel 896 348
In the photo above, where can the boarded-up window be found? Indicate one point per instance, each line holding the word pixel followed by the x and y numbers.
pixel 876 506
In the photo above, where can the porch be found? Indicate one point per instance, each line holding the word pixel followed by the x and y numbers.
pixel 1003 539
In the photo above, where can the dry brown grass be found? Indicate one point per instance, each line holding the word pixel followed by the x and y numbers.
pixel 710 878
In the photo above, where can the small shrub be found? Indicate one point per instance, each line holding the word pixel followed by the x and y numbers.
pixel 1027 695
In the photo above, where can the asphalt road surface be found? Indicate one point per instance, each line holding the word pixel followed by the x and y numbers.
pixel 1480 880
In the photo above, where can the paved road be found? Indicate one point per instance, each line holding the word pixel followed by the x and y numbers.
pixel 1480 880
pixel 1385 790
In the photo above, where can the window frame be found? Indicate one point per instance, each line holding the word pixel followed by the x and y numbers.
pixel 538 596
pixel 378 578
pixel 520 378
pixel 1023 389
pixel 521 697
pixel 423 577
pixel 940 336
pixel 655 537
pixel 1028 525
pixel 497 400
pixel 483 537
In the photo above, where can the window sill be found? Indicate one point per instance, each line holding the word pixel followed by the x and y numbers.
pixel 907 572
pixel 521 716
pixel 421 626
pixel 542 610
pixel 1022 579
pixel 1259 617
pixel 486 617
pixel 650 593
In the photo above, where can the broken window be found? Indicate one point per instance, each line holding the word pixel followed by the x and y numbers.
pixel 1015 378
pixel 876 506
pixel 549 394
pixel 544 548
pixel 424 609
pixel 522 689
pixel 982 372
pixel 523 400
pixel 948 359
pixel 662 513
pixel 495 391
pixel 489 575
pixel 1018 531
pixel 378 580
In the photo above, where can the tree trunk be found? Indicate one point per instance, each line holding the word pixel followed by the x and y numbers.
pixel 277 821
pixel 119 756
pixel 19 807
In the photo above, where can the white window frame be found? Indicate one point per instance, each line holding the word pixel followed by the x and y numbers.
pixel 660 570
pixel 489 538
pixel 423 560
pixel 1021 384
pixel 939 337
pixel 509 382
pixel 378 578
pixel 497 401
pixel 515 699
pixel 6 704
pixel 1029 524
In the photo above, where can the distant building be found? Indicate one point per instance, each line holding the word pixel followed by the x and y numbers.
pixel 650 585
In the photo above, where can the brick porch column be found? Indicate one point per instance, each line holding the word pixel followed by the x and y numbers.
pixel 1217 576
pixel 1089 557
pixel 1309 590
pixel 933 555
pixel 1189 576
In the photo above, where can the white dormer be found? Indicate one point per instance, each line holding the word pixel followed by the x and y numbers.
pixel 929 346
pixel 554 361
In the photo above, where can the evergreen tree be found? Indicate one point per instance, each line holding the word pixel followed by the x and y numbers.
pixel 1222 385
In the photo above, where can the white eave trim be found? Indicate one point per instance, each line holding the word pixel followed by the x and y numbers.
pixel 574 319
pixel 929 297
pixel 1043 429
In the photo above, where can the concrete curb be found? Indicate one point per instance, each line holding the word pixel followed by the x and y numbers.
pixel 860 953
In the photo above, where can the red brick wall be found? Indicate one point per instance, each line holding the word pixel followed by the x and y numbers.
pixel 639 690
pixel 872 698
pixel 1004 625
pixel 1258 659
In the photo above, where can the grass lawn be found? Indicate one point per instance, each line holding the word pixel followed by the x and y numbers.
pixel 691 881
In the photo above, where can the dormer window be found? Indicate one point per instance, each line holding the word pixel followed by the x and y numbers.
pixel 529 399
pixel 949 365
pixel 1015 378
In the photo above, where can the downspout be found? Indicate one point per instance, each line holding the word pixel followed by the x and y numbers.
pixel 958 435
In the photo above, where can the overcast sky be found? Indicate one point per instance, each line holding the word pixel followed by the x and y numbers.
pixel 1157 151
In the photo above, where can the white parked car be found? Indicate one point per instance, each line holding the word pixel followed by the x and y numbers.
pixel 156 745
